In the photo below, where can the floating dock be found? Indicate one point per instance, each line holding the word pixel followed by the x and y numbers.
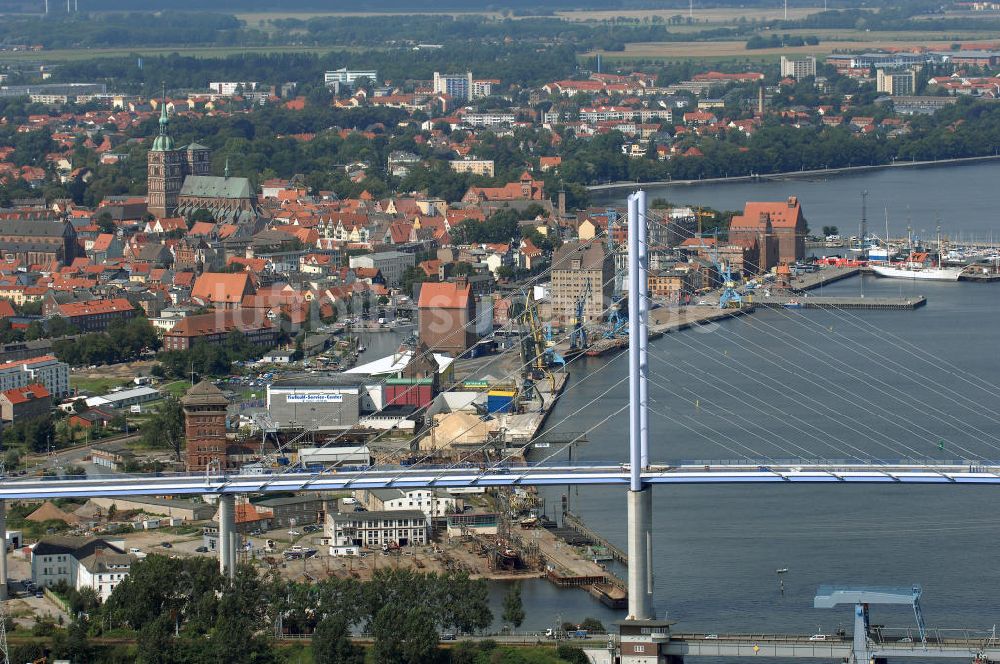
pixel 822 302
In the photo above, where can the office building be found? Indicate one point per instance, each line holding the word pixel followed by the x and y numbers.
pixel 345 76
pixel 896 82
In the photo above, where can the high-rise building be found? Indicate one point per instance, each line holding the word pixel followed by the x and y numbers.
pixel 459 86
pixel 205 426
pixel 896 82
pixel 798 68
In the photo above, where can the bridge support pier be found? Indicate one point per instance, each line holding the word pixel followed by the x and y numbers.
pixel 227 535
pixel 3 553
pixel 640 558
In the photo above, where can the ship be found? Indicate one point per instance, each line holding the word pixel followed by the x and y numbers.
pixel 918 265
pixel 911 270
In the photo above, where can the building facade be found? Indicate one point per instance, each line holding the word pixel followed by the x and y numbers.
pixel 458 86
pixel 896 83
pixel 315 403
pixel 798 68
pixel 25 403
pixel 392 265
pixel 447 314
pixel 47 370
pixel 80 563
pixel 214 327
pixel 205 426
pixel 38 242
pixel 350 531
pixel 579 268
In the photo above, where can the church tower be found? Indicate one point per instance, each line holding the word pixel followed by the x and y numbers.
pixel 205 426
pixel 164 171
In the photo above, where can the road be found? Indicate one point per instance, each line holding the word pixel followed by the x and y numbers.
pixel 708 472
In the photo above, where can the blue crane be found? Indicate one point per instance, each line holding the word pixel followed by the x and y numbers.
pixel 578 338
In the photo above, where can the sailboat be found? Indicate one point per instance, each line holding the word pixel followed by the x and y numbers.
pixel 918 265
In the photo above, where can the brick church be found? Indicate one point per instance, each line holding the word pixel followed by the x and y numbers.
pixel 179 183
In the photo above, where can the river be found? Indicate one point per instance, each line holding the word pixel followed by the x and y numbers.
pixel 819 384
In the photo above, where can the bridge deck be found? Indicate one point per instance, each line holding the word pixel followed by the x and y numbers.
pixel 802 646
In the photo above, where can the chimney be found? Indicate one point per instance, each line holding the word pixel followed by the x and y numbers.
pixel 562 202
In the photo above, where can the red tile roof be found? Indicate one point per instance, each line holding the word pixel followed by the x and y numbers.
pixel 93 307
pixel 19 395
pixel 445 295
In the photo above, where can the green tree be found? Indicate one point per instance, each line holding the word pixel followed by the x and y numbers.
pixel 513 609
pixel 166 427
pixel 405 635
pixel 331 643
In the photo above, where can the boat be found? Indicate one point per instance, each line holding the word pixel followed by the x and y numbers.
pixel 912 270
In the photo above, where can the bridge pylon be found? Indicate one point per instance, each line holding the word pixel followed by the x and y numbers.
pixel 640 499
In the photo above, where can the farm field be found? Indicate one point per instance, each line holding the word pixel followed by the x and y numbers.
pixel 193 51
pixel 734 49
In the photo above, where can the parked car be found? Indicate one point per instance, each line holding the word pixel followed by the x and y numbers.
pixel 201 549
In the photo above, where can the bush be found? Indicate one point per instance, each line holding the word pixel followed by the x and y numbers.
pixel 571 654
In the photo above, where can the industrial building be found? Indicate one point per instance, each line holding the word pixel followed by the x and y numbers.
pixel 319 403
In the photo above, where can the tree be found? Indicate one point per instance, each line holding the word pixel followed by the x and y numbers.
pixel 331 643
pixel 830 230
pixel 404 636
pixel 166 427
pixel 513 609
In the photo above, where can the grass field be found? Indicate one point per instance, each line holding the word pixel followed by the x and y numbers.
pixel 176 388
pixel 95 386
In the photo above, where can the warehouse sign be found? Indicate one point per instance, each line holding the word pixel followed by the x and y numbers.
pixel 315 397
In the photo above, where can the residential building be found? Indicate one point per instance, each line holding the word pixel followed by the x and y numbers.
pixel 432 502
pixel 474 166
pixel 392 265
pixel 223 290
pixel 24 403
pixel 214 327
pixel 96 315
pixel 351 531
pixel 447 313
pixel 484 87
pixel 895 82
pixel 205 426
pixel 458 86
pixel 46 370
pixel 80 563
pixel 345 76
pixel 577 266
pixel 798 67
pixel 492 119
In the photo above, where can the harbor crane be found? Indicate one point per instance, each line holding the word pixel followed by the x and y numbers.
pixel 578 338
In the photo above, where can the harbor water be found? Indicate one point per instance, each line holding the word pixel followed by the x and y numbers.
pixel 922 384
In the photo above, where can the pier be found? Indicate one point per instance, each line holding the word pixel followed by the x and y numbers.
pixel 822 302
pixel 574 522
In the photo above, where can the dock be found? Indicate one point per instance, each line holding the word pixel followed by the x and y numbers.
pixel 571 520
pixel 822 277
pixel 822 302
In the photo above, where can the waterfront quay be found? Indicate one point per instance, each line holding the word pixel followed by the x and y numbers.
pixel 822 302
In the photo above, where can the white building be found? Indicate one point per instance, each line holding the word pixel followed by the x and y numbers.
pixel 229 88
pixel 350 531
pixel 47 370
pixel 459 86
pixel 80 563
pixel 433 503
pixel 392 265
pixel 474 166
pixel 798 68
pixel 488 119
pixel 345 76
